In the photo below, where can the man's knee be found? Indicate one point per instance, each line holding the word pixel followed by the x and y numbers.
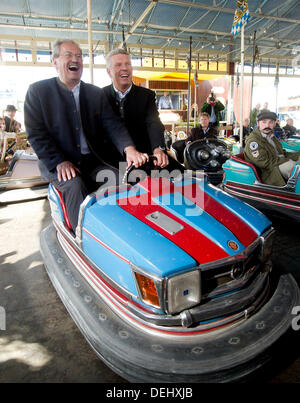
pixel 286 168
pixel 72 187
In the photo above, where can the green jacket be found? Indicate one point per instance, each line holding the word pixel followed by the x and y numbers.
pixel 253 116
pixel 218 108
pixel 262 154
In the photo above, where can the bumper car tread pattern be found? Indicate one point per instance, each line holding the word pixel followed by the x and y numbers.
pixel 227 355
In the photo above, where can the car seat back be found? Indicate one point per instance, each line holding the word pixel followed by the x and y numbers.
pixel 178 148
pixel 241 159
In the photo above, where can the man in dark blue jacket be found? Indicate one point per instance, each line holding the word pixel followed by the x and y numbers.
pixel 136 106
pixel 67 122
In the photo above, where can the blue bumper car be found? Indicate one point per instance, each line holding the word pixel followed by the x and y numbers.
pixel 242 179
pixel 170 280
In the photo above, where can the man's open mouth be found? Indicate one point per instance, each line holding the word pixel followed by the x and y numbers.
pixel 124 75
pixel 73 67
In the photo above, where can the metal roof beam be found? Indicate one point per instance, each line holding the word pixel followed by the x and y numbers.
pixel 114 11
pixel 139 20
pixel 223 10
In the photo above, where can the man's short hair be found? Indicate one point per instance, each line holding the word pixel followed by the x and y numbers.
pixel 57 44
pixel 114 52
pixel 205 114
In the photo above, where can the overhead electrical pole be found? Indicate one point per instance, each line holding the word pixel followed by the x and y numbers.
pixel 91 61
pixel 189 63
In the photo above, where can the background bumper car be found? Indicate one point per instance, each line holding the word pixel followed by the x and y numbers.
pixel 242 179
pixel 22 179
pixel 170 280
pixel 292 144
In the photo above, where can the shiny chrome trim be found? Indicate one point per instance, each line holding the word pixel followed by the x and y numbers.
pixel 263 238
pixel 292 181
pixel 231 259
pixel 169 325
pixel 82 208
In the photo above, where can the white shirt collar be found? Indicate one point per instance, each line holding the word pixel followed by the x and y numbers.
pixel 122 94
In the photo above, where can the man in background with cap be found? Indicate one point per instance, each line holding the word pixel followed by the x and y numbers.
pixel 265 151
pixel 11 125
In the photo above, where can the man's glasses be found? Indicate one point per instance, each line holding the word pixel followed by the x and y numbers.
pixel 70 54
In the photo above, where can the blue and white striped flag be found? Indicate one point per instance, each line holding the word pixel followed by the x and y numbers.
pixel 241 16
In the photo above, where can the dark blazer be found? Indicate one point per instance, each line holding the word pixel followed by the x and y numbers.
pixel 197 133
pixel 140 116
pixel 52 122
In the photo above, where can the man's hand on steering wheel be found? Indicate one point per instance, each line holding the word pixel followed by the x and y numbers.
pixel 162 159
pixel 135 157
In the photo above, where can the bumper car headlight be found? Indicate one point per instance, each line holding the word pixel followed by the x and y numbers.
pixel 184 291
pixel 266 247
pixel 148 290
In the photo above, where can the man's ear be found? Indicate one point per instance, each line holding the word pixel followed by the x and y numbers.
pixel 108 72
pixel 54 62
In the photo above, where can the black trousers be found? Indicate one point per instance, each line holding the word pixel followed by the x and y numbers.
pixel 74 191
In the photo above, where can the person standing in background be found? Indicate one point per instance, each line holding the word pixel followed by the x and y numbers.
pixel 213 107
pixel 165 101
pixel 11 125
pixel 253 116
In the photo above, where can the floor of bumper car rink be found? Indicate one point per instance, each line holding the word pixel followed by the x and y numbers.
pixel 41 343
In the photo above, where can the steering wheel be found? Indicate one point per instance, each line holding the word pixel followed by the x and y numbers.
pixel 133 175
pixel 208 155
